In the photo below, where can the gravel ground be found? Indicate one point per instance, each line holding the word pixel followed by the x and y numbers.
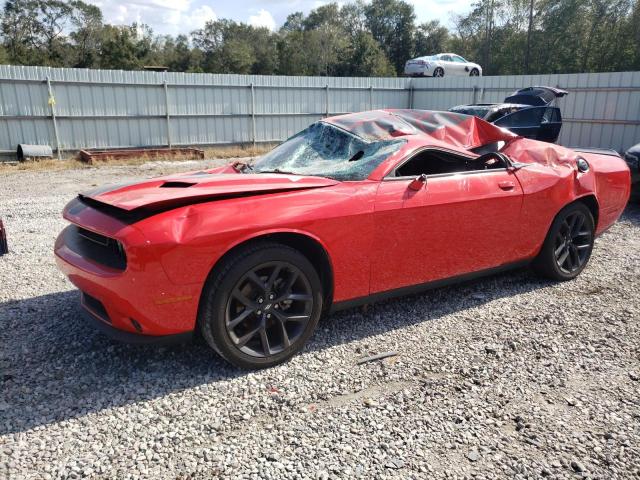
pixel 509 376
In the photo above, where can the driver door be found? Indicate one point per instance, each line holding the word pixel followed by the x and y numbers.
pixel 457 223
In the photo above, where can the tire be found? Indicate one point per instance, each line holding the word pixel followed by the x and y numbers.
pixel 568 245
pixel 438 72
pixel 260 305
pixel 474 73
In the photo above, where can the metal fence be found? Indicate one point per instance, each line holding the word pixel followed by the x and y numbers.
pixel 71 109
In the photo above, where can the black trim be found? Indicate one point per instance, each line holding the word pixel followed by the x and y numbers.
pixel 98 248
pixel 134 338
pixel 422 287
pixel 392 174
pixel 390 177
pixel 95 306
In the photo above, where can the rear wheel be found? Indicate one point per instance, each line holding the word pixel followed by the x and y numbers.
pixel 568 245
pixel 261 305
pixel 438 72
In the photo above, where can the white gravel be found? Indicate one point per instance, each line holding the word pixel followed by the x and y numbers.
pixel 509 376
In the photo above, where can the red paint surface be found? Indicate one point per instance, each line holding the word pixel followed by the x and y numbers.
pixel 379 234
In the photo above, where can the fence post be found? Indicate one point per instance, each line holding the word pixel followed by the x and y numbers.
pixel 168 115
pixel 370 97
pixel 326 105
pixel 253 115
pixel 475 94
pixel 52 105
pixel 411 93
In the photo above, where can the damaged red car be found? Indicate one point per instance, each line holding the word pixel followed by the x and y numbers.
pixel 353 209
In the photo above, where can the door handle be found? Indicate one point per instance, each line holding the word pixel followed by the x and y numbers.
pixel 507 185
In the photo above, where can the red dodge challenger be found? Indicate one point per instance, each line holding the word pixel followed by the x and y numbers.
pixel 353 209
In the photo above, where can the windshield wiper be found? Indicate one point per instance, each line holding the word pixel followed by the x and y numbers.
pixel 277 170
pixel 242 167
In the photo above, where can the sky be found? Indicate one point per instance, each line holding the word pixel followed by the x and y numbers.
pixel 183 16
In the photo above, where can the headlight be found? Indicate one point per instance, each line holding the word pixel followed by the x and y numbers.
pixel 582 164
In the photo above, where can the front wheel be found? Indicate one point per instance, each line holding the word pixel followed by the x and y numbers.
pixel 568 245
pixel 474 73
pixel 261 305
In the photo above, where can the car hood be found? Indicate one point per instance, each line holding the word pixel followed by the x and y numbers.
pixel 179 190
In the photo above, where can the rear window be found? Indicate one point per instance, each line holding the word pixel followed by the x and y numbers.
pixel 528 117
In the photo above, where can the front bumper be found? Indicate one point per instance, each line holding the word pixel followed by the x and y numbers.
pixel 134 338
pixel 140 300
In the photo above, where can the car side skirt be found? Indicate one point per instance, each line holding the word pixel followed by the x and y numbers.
pixel 423 287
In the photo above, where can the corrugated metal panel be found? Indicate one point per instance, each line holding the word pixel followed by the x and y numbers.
pixel 112 108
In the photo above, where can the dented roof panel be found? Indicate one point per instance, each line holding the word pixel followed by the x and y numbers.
pixel 456 129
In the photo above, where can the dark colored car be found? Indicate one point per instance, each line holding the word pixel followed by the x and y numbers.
pixel 632 157
pixel 527 112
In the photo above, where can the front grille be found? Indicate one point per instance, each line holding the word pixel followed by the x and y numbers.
pixel 95 247
pixel 95 306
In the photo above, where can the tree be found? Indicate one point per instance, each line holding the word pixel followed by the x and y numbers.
pixel 291 53
pixel 20 28
pixel 392 24
pixel 431 38
pixel 118 48
pixel 87 20
pixel 353 38
pixel 368 59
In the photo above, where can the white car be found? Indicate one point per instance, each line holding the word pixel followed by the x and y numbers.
pixel 440 65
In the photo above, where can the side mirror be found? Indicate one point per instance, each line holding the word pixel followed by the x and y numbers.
pixel 418 182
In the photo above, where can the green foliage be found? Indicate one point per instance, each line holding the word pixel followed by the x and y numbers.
pixel 431 37
pixel 231 47
pixel 392 24
pixel 375 38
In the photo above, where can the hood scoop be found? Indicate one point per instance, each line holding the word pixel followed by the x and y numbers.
pixel 175 184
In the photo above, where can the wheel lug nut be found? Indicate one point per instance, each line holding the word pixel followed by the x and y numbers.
pixel 268 315
pixel 260 300
pixel 271 297
pixel 259 312
pixel 276 306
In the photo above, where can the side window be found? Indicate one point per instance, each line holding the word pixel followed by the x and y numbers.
pixel 551 114
pixel 459 59
pixel 432 162
pixel 529 117
pixel 445 58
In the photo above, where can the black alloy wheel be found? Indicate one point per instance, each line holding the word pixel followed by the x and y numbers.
pixel 438 72
pixel 474 73
pixel 573 243
pixel 568 245
pixel 260 305
pixel 269 309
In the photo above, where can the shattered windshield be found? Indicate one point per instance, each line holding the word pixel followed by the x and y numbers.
pixel 327 151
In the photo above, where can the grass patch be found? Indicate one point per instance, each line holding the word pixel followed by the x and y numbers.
pixel 69 163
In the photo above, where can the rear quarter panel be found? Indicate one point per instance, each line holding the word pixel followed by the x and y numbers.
pixel 612 187
pixel 550 181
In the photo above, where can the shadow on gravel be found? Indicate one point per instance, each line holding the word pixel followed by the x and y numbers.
pixel 55 367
